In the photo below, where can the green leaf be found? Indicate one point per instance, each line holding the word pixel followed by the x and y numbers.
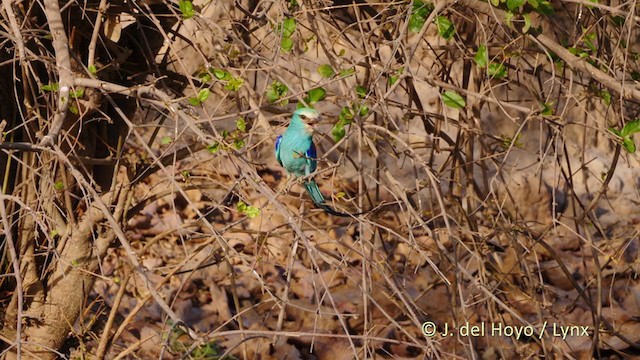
pixel 542 6
pixel 316 95
pixel 288 27
pixel 250 211
pixel 203 94
pixel 345 118
pixel 338 131
pixel 606 96
pixel 205 76
pixel 221 74
pixel 629 145
pixel 50 87
pixel 394 76
pixel 74 109
pixel 186 7
pixel 416 23
pixel 361 92
pixel 496 71
pixel 495 3
pixel 482 56
pixel 507 142
pixel 346 115
pixel 422 8
pixel 277 91
pixel 286 44
pixel 419 14
pixel 92 69
pixel 213 148
pixel 588 41
pixel 527 23
pixel 326 71
pixel 166 140
pixel 445 27
pixel 453 100
pixel 342 52
pixel 234 84
pixel 238 144
pixel 364 110
pixel 77 94
pixel 59 185
pixel 618 20
pixel 631 128
pixel 577 52
pixel 515 4
pixel 545 8
pixel 547 109
pixel 347 72
pixel 508 18
pixel 200 97
pixel 241 124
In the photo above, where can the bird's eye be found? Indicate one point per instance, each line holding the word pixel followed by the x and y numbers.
pixel 304 117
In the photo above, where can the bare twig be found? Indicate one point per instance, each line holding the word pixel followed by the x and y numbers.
pixel 63 66
pixel 106 331
pixel 15 28
pixel 15 262
pixel 627 91
pixel 102 8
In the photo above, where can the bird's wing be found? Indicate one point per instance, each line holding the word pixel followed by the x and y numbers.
pixel 278 141
pixel 311 156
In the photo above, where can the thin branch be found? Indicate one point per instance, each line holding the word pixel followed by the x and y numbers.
pixel 15 262
pixel 102 8
pixel 63 66
pixel 106 331
pixel 627 91
pixel 15 28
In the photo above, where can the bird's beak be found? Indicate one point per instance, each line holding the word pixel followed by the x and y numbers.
pixel 315 121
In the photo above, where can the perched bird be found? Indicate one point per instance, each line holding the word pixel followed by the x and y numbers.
pixel 296 152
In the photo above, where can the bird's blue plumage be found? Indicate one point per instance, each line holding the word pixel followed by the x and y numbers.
pixel 296 153
pixel 312 154
pixel 278 141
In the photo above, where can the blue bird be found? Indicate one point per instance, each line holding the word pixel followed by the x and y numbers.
pixel 296 153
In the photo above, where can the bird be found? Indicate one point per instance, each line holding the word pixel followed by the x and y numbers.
pixel 296 153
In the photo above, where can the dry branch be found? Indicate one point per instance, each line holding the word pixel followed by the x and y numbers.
pixel 63 67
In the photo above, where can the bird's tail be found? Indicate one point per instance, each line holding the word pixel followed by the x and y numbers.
pixel 318 199
pixel 314 192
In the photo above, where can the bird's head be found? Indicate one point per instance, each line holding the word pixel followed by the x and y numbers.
pixel 309 117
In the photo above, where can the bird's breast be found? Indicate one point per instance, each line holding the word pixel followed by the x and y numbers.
pixel 292 154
